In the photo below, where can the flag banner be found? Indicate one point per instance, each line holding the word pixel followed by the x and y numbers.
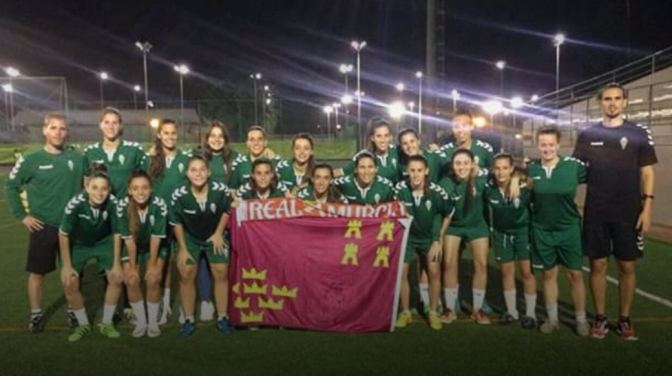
pixel 321 267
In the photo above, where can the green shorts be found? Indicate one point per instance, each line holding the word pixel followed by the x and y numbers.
pixel 143 254
pixel 103 252
pixel 468 233
pixel 551 248
pixel 195 247
pixel 511 245
pixel 415 247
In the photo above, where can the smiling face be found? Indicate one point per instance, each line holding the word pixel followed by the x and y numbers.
pixel 139 189
pixel 98 189
pixel 410 144
pixel 462 165
pixel 613 103
pixel 256 143
pixel 55 133
pixel 381 138
pixel 548 146
pixel 321 180
pixel 366 171
pixel 263 175
pixel 168 136
pixel 503 169
pixel 216 140
pixel 417 172
pixel 302 150
pixel 462 128
pixel 111 126
pixel 198 173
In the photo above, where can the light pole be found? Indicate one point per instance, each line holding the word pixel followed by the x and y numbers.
pixel 501 65
pixel 182 70
pixel 411 106
pixel 346 69
pixel 136 90
pixel 396 111
pixel 103 77
pixel 255 77
pixel 328 110
pixel 7 89
pixel 418 75
pixel 12 73
pixel 400 88
pixel 145 47
pixel 359 46
pixel 492 108
pixel 557 42
pixel 455 95
pixel 336 106
pixel 516 103
pixel 265 102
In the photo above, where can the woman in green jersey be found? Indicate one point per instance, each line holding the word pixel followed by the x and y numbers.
pixel 465 186
pixel 86 232
pixel 379 137
pixel 199 214
pixel 218 152
pixel 320 188
pixel 142 217
pixel 366 187
pixel 294 173
pixel 263 183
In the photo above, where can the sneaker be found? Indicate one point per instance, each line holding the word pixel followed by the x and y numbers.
pixel 434 321
pixel 139 331
pixel 425 309
pixel 528 322
pixel 600 328
pixel 404 318
pixel 129 316
pixel 165 314
pixel 625 330
pixel 79 333
pixel 480 317
pixel 448 316
pixel 187 328
pixel 506 319
pixel 549 327
pixel 71 319
pixel 109 331
pixel 153 331
pixel 36 324
pixel 182 318
pixel 583 329
pixel 224 326
pixel 207 311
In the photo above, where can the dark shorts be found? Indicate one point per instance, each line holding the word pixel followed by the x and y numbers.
pixel 43 250
pixel 603 237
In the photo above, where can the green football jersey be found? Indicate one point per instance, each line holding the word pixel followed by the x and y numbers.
pixel 483 153
pixel 86 225
pixel 245 192
pixel 120 163
pixel 173 176
pixel 288 176
pixel 457 191
pixel 553 205
pixel 199 219
pixel 307 193
pixel 241 169
pixel 381 190
pixel 50 181
pixel 435 161
pixel 427 210
pixel 508 215
pixel 388 164
pixel 152 221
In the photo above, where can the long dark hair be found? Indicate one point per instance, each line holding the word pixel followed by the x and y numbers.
pixel 132 208
pixel 157 161
pixel 470 179
pixel 421 159
pixel 227 151
pixel 333 194
pixel 310 164
pixel 403 157
pixel 274 182
pixel 371 126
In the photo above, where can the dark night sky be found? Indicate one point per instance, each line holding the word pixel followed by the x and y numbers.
pixel 298 45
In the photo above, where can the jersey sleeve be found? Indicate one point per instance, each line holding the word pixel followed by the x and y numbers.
pixel 160 219
pixel 226 200
pixel 175 211
pixel 582 172
pixel 122 220
pixel 647 152
pixel 580 149
pixel 18 177
pixel 349 168
pixel 70 216
pixel 112 212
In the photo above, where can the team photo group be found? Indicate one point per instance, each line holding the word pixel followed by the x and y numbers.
pixel 144 214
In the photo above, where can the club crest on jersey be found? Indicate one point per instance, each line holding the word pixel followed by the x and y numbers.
pixel 516 203
pixel 105 216
pixel 121 159
pixel 476 159
pixel 394 162
pixel 428 205
pixel 71 165
pixel 213 208
pixel 180 167
pixel 151 219
pixel 624 142
pixel 376 198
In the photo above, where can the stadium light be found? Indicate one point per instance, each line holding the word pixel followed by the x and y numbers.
pixel 517 102
pixel 145 47
pixel 419 75
pixel 396 110
pixel 358 47
pixel 255 77
pixel 182 70
pixel 501 65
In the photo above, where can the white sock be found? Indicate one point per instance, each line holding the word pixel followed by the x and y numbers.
pixel 450 295
pixel 580 316
pixel 424 293
pixel 153 313
pixel 510 299
pixel 530 305
pixel 139 311
pixel 220 316
pixel 552 310
pixel 108 313
pixel 166 297
pixel 189 318
pixel 80 314
pixel 479 297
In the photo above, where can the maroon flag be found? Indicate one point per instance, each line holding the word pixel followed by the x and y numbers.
pixel 304 266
